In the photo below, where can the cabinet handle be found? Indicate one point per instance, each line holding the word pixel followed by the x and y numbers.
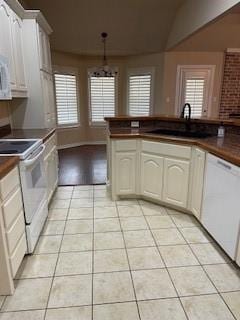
pixel 226 166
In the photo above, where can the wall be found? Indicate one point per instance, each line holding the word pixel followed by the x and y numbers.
pixel 230 98
pixel 4 115
pixel 173 59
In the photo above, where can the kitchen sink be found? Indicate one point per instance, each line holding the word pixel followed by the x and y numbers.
pixel 179 133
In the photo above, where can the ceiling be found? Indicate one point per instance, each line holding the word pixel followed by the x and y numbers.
pixel 134 26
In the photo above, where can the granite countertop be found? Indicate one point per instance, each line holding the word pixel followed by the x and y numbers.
pixel 227 148
pixel 7 164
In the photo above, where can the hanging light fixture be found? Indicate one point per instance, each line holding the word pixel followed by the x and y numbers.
pixel 105 70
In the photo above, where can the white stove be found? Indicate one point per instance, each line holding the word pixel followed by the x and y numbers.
pixel 33 183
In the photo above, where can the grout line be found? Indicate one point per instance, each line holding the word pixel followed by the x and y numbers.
pixel 93 247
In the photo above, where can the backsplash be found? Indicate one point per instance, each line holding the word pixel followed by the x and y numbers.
pixel 4 115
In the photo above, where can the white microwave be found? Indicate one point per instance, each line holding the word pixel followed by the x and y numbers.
pixel 5 85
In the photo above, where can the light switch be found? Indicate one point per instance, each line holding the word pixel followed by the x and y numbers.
pixel 134 124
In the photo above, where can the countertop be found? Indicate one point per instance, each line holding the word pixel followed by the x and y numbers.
pixel 227 148
pixel 7 164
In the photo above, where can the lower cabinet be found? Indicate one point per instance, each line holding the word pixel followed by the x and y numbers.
pixel 125 173
pixel 151 176
pixel 175 182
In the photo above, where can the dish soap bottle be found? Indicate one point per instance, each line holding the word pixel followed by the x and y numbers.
pixel 221 130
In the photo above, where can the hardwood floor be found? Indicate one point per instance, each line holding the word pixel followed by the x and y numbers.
pixel 82 165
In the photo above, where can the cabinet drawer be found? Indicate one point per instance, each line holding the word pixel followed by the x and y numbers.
pixel 15 232
pixel 50 143
pixel 12 207
pixel 9 182
pixel 167 149
pixel 125 145
pixel 18 254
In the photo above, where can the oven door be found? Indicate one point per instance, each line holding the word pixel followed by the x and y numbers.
pixel 33 180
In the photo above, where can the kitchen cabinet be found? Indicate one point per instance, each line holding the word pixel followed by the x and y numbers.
pixel 13 245
pixel 175 181
pixel 126 173
pixel 48 99
pixel 51 166
pixel 44 51
pixel 197 181
pixel 151 176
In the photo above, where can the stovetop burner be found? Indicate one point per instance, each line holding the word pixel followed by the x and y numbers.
pixel 18 147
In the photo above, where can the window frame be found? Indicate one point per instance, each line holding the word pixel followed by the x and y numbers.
pixel 209 70
pixel 74 72
pixel 138 72
pixel 100 123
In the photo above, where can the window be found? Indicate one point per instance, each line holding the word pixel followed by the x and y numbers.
pixel 102 98
pixel 66 99
pixel 139 93
pixel 194 86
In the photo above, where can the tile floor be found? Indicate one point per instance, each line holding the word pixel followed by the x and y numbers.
pixel 103 260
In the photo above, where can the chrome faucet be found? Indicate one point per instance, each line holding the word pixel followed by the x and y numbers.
pixel 188 118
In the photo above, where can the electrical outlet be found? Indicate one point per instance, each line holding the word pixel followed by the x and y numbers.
pixel 134 124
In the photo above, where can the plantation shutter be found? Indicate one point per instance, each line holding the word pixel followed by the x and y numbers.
pixel 102 98
pixel 66 99
pixel 139 94
pixel 195 94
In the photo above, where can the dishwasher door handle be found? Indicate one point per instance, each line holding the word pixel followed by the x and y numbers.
pixel 225 165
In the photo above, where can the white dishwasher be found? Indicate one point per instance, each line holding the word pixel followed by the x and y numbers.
pixel 221 203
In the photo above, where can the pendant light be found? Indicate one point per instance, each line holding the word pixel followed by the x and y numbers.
pixel 105 70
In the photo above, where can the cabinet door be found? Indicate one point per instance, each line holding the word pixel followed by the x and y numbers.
pixel 125 173
pixel 51 168
pixel 48 100
pixel 197 181
pixel 175 185
pixel 151 176
pixel 18 53
pixel 44 49
pixel 6 43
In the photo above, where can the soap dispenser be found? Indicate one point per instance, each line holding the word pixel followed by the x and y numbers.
pixel 221 130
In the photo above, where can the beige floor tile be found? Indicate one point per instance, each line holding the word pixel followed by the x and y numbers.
pixel 158 222
pixel 102 202
pixel 82 194
pixel 133 223
pixel 164 309
pixel 195 235
pixel 101 193
pixel 232 299
pixel 80 213
pixel 112 287
pixel 208 253
pixel 76 242
pixel 23 315
pixel 48 244
pixel 105 212
pixel 168 236
pixel 60 204
pixel 65 188
pixel 108 240
pixel 29 294
pixel 110 260
pixel 116 311
pixel 2 298
pixel 127 202
pixel 71 263
pixel 153 284
pixel 206 307
pixel 63 195
pixel 70 291
pixel 144 258
pixel 107 225
pixel 57 214
pixel 100 187
pixel 73 313
pixel 177 256
pixel 141 238
pixel 184 220
pixel 152 209
pixel 81 188
pixel 37 266
pixel 79 226
pixel 173 211
pixel 191 281
pixel 225 277
pixel 53 228
pixel 130 211
pixel 81 203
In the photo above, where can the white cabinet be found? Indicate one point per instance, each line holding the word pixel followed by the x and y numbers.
pixel 198 166
pixel 175 182
pixel 44 51
pixel 151 176
pixel 125 173
pixel 48 99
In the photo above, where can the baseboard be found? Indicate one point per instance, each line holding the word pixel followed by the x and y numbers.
pixel 78 144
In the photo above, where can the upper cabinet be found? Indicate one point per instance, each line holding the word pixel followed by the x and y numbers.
pixel 44 51
pixel 11 47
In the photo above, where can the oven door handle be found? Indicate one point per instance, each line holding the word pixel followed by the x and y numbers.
pixel 29 162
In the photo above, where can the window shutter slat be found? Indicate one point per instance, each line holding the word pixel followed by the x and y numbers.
pixel 139 94
pixel 66 99
pixel 102 98
pixel 194 94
